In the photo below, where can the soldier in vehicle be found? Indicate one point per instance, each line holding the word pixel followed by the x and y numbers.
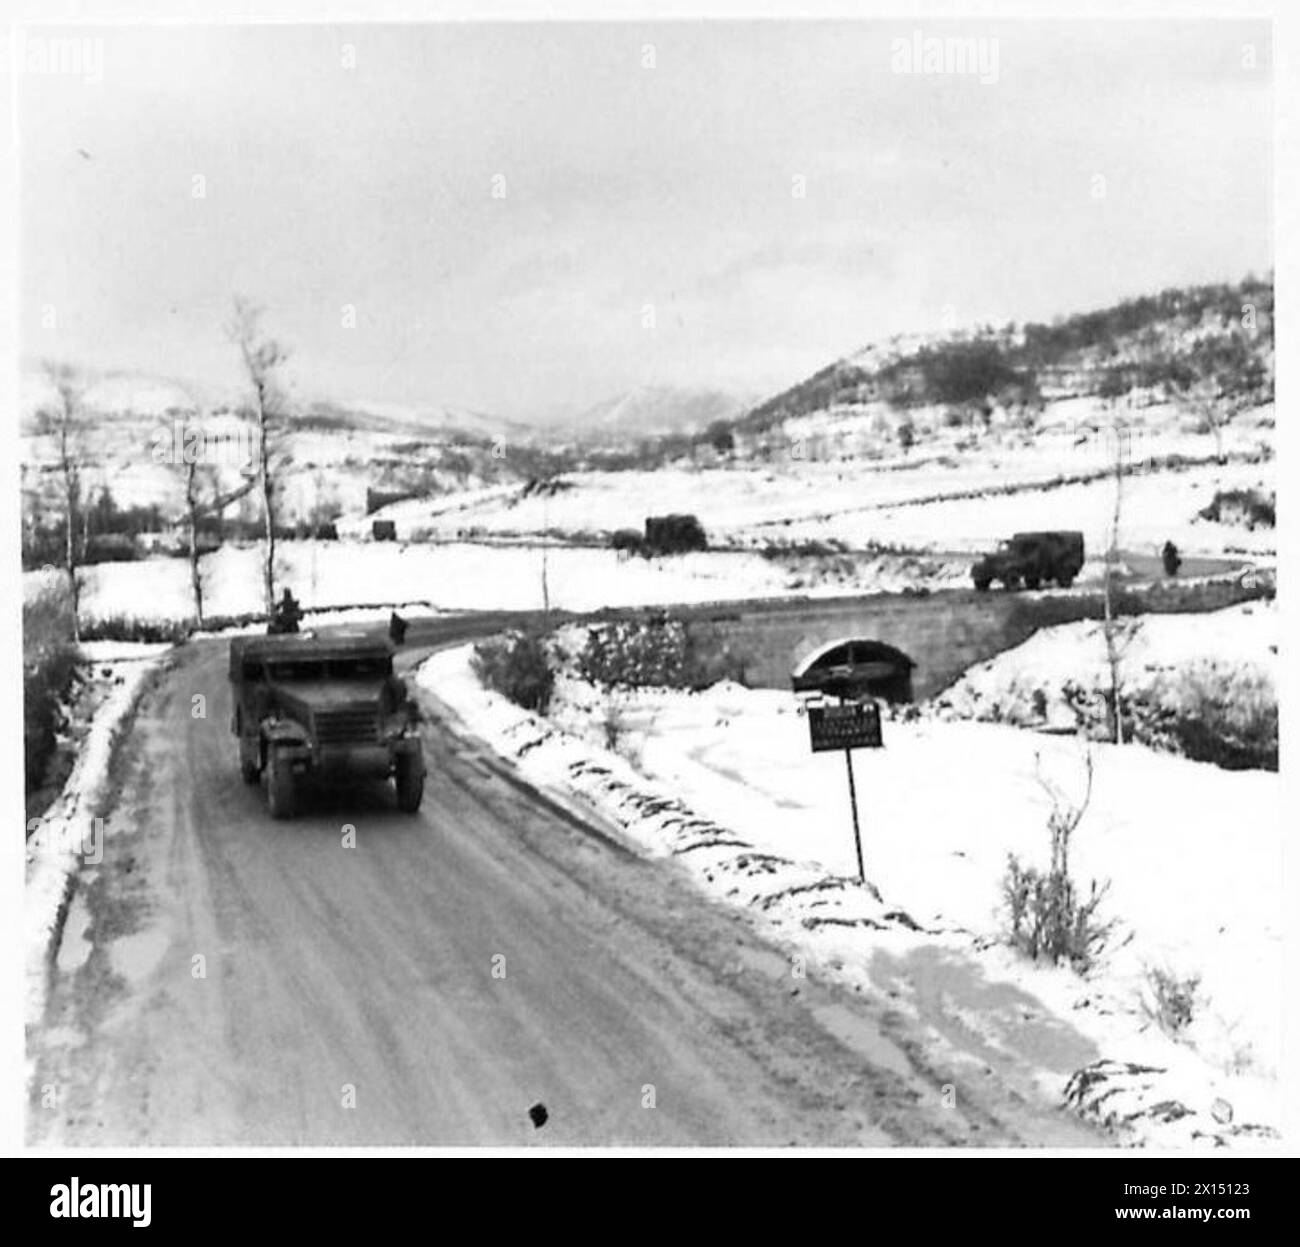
pixel 1171 559
pixel 287 616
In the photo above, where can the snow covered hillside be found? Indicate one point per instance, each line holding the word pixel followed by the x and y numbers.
pixel 131 442
pixel 956 441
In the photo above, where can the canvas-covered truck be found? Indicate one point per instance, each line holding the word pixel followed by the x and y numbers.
pixel 309 705
pixel 1034 558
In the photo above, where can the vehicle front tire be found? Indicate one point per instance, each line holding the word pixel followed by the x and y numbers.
pixel 410 783
pixel 1065 581
pixel 1031 582
pixel 1011 583
pixel 982 586
pixel 280 795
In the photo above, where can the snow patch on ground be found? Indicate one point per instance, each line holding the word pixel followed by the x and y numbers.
pixel 724 783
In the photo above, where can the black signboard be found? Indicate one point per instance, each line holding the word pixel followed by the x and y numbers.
pixel 854 725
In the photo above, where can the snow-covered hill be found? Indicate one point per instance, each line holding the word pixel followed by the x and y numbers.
pixel 651 411
pixel 131 433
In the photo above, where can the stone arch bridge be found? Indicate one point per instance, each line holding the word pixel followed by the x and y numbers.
pixel 942 632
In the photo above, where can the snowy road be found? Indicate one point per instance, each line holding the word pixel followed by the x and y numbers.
pixel 229 980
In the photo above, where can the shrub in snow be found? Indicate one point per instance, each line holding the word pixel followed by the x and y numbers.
pixel 1212 714
pixel 658 652
pixel 518 666
pixel 49 662
pixel 133 628
pixel 613 722
pixel 1250 508
pixel 1048 917
pixel 1172 1000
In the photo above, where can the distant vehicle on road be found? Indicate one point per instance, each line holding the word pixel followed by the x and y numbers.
pixel 664 534
pixel 308 705
pixel 1035 559
pixel 627 539
pixel 674 534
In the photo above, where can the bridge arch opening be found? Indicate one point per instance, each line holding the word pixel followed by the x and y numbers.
pixel 854 667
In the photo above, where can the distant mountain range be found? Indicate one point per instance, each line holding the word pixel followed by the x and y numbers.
pixel 651 411
pixel 142 395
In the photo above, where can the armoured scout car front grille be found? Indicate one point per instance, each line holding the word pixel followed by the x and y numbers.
pixel 347 727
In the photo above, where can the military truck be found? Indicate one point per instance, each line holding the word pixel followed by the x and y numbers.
pixel 1034 558
pixel 310 704
pixel 673 534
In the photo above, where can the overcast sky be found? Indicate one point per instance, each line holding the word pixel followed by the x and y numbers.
pixel 327 186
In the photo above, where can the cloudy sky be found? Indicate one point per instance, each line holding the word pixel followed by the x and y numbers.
pixel 644 166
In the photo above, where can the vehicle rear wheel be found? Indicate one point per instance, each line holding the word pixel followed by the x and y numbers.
pixel 280 796
pixel 1031 582
pixel 410 783
pixel 1065 581
pixel 1010 582
pixel 982 586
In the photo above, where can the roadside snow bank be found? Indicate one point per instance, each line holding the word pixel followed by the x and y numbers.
pixel 724 783
pixel 68 830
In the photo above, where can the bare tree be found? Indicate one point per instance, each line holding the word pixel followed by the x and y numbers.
pixel 61 422
pixel 263 358
pixel 1066 814
pixel 203 495
pixel 1205 401
pixel 1115 632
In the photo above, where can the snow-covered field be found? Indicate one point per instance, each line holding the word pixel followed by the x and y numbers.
pixel 863 502
pixel 1156 508
pixel 1192 854
pixel 459 576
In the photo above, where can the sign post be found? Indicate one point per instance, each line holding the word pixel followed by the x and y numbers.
pixel 850 725
pixel 853 802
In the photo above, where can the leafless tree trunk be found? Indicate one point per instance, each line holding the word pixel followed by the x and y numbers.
pixel 1111 627
pixel 263 357
pixel 202 499
pixel 546 524
pixel 1204 399
pixel 192 511
pixel 61 424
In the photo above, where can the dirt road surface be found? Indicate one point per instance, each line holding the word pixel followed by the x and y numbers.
pixel 229 980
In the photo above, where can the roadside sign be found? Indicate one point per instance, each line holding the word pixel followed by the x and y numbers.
pixel 848 726
pixel 853 725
